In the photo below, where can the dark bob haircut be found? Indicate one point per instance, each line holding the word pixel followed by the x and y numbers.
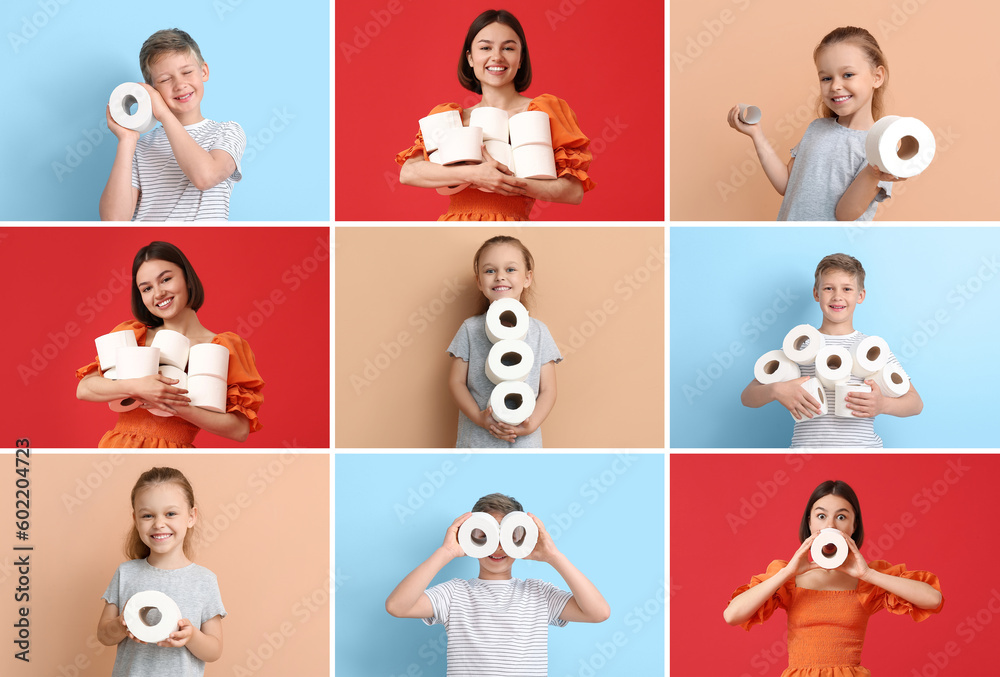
pixel 467 77
pixel 164 251
pixel 836 488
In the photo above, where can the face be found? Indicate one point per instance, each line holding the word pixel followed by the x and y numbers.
pixel 503 272
pixel 846 78
pixel 832 512
pixel 163 288
pixel 837 295
pixel 162 517
pixel 179 79
pixel 495 55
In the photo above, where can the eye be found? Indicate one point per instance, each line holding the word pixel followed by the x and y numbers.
pixel 848 75
pixel 842 518
pixel 824 78
pixel 820 516
pixel 489 271
pixel 511 269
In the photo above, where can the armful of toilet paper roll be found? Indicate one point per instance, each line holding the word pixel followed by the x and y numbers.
pixel 489 176
pixel 869 405
pixel 789 394
pixel 153 390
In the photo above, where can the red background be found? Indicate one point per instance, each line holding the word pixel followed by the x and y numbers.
pixel 54 273
pixel 604 59
pixel 954 537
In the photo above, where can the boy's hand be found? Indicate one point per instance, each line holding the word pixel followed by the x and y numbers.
pixel 866 405
pixel 795 399
pixel 545 548
pixel 451 537
pixel 121 133
pixel 180 636
pixel 160 110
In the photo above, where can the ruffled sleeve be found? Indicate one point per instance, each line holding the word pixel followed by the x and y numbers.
pixel 417 149
pixel 874 598
pixel 779 600
pixel 140 338
pixel 245 383
pixel 571 147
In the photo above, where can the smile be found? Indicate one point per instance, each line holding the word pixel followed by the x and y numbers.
pixel 501 288
pixel 497 559
pixel 837 307
pixel 496 69
pixel 161 537
pixel 165 303
pixel 841 99
pixel 184 98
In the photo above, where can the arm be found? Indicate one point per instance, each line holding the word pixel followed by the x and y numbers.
pixel 205 643
pixel 861 192
pixel 870 405
pixel 158 390
pixel 565 189
pixel 111 627
pixel 232 425
pixel 917 593
pixel 457 384
pixel 119 197
pixel 408 599
pixel 587 605
pixel 742 607
pixel 790 394
pixel 777 172
pixel 544 402
pixel 489 176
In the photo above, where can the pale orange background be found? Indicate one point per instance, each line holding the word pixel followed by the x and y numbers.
pixel 267 558
pixel 610 382
pixel 943 66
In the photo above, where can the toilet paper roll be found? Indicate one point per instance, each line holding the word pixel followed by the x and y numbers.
pixel 173 347
pixel 129 94
pixel 109 343
pixel 900 146
pixel 137 362
pixel 773 367
pixel 479 535
pixel 830 548
pixel 833 366
pixel 869 355
pixel 840 392
pixel 529 127
pixel 751 115
pixel 892 380
pixel 802 344
pixel 512 402
pixel 814 388
pixel 518 534
pixel 208 359
pixel 461 144
pixel 125 404
pixel 208 392
pixel 433 127
pixel 493 122
pixel 137 616
pixel 501 152
pixel 170 371
pixel 534 161
pixel 506 319
pixel 509 360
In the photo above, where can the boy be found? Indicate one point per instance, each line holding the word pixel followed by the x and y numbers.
pixel 183 170
pixel 839 288
pixel 497 625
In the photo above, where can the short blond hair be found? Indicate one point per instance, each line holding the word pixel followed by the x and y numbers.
pixel 169 40
pixel 844 262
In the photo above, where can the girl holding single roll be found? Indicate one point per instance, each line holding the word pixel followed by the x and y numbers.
pixel 159 548
pixel 504 269
pixel 828 177
pixel 828 609
pixel 166 295
pixel 495 63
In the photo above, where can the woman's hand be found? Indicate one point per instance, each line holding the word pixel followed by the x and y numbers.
pixel 795 399
pixel 451 537
pixel 800 562
pixel 492 176
pixel 159 392
pixel 855 564
pixel 545 549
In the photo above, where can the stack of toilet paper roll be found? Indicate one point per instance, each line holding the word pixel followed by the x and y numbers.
pixel 531 144
pixel 207 376
pixel 480 535
pixel 133 358
pixel 174 348
pixel 509 361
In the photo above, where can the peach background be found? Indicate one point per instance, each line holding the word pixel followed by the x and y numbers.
pixel 942 64
pixel 268 557
pixel 610 382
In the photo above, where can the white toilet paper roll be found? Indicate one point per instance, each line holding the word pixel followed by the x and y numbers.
pixel 840 392
pixel 512 402
pixel 432 127
pixel 208 392
pixel 830 548
pixel 518 534
pixel 461 144
pixel 137 614
pixel 479 535
pixel 170 371
pixel 534 161
pixel 208 359
pixel 814 388
pixel 173 347
pixel 109 343
pixel 137 362
pixel 751 115
pixel 833 366
pixel 892 380
pixel 900 146
pixel 492 120
pixel 509 360
pixel 870 354
pixel 129 94
pixel 531 126
pixel 506 319
pixel 802 344
pixel 773 367
pixel 501 152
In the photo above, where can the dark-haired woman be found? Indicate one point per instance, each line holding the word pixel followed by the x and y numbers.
pixel 495 63
pixel 166 294
pixel 828 609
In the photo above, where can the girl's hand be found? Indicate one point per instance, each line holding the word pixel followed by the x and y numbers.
pixel 855 564
pixel 121 133
pixel 739 125
pixel 121 619
pixel 866 405
pixel 451 537
pixel 180 636
pixel 495 177
pixel 800 562
pixel 158 391
pixel 487 421
pixel 512 432
pixel 545 549
pixel 882 176
pixel 795 399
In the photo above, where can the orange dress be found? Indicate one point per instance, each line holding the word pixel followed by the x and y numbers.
pixel 140 429
pixel 569 144
pixel 826 628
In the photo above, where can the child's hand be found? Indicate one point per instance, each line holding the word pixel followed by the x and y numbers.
pixel 180 636
pixel 795 399
pixel 866 405
pixel 121 133
pixel 512 432
pixel 160 110
pixel 800 562
pixel 487 421
pixel 545 549
pixel 739 125
pixel 882 176
pixel 451 537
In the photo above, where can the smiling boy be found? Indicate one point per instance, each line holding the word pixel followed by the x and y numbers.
pixel 185 169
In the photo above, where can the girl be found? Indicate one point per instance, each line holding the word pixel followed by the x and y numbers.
pixel 828 177
pixel 504 268
pixel 163 515
pixel 166 294
pixel 494 63
pixel 828 610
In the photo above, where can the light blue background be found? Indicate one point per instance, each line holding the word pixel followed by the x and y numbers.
pixel 617 543
pixel 269 71
pixel 721 278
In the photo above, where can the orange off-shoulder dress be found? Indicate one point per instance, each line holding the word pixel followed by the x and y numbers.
pixel 572 152
pixel 140 429
pixel 826 628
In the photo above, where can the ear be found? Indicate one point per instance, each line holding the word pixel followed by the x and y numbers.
pixel 468 57
pixel 194 517
pixel 204 72
pixel 815 294
pixel 529 276
pixel 879 74
pixel 861 296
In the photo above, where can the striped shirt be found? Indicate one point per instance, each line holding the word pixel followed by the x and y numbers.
pixel 167 194
pixel 497 628
pixel 837 431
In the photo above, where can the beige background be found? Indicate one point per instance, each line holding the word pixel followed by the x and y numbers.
pixel 943 66
pixel 610 382
pixel 264 522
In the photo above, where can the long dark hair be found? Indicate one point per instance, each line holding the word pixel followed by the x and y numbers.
pixel 835 488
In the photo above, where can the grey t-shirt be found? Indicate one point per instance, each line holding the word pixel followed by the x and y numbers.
pixel 196 591
pixel 827 160
pixel 473 345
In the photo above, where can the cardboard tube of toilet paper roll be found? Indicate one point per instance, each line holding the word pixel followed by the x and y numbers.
pixel 509 360
pixel 840 392
pixel 479 535
pixel 137 362
pixel 892 380
pixel 773 367
pixel 461 144
pixel 751 115
pixel 830 548
pixel 208 392
pixel 208 359
pixel 501 152
pixel 802 344
pixel 833 366
pixel 512 402
pixel 900 146
pixel 869 354
pixel 493 122
pixel 534 161
pixel 432 127
pixel 531 126
pixel 506 319
pixel 518 534
pixel 814 388
pixel 129 94
pixel 107 345
pixel 173 347
pixel 137 616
